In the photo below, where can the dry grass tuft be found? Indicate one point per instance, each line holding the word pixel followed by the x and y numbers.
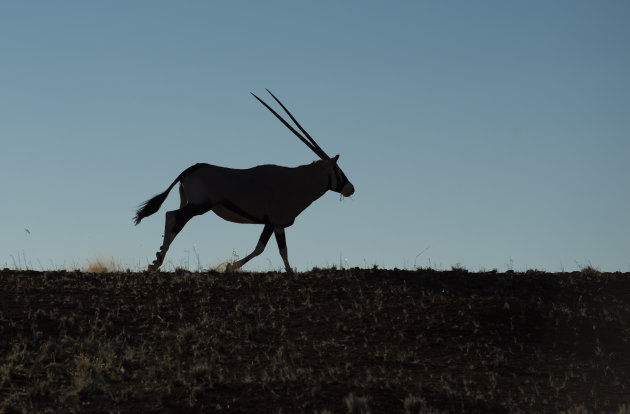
pixel 100 265
pixel 589 271
pixel 623 409
pixel 415 405
pixel 357 405
pixel 580 409
pixel 577 409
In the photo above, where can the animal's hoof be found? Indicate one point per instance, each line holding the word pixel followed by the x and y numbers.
pixel 232 267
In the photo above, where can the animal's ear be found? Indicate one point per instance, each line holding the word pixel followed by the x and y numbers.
pixel 335 158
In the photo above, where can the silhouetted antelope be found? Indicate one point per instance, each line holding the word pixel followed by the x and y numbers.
pixel 267 194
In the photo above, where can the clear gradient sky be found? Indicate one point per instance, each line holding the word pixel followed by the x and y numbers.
pixel 487 134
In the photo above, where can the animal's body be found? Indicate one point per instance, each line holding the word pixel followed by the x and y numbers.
pixel 266 194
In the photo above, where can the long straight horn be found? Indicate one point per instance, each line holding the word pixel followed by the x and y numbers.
pixel 315 148
pixel 319 151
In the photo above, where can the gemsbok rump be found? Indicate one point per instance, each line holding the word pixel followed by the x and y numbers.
pixel 267 194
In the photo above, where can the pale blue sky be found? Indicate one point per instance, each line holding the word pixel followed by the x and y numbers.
pixel 489 134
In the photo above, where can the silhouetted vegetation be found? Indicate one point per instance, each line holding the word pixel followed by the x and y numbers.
pixel 325 341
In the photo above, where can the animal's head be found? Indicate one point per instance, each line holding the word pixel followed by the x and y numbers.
pixel 338 181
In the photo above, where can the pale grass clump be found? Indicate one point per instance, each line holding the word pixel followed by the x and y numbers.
pixel 580 409
pixel 623 409
pixel 576 409
pixel 415 405
pixel 357 405
pixel 100 265
pixel 87 379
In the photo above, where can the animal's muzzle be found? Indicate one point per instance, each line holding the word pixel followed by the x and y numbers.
pixel 347 190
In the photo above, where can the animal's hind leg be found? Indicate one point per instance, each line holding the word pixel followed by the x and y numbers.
pixel 175 222
pixel 183 200
pixel 260 247
pixel 282 246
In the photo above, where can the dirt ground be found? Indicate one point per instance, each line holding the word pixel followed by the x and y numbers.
pixel 368 340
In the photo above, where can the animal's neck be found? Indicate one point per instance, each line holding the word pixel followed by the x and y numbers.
pixel 311 182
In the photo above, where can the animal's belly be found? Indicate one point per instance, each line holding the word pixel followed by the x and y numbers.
pixel 234 215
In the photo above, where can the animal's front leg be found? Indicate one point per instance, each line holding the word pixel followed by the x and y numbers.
pixel 260 247
pixel 282 246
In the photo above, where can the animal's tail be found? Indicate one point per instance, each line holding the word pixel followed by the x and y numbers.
pixel 153 205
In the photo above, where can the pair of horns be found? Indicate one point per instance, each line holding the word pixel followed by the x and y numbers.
pixel 310 142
